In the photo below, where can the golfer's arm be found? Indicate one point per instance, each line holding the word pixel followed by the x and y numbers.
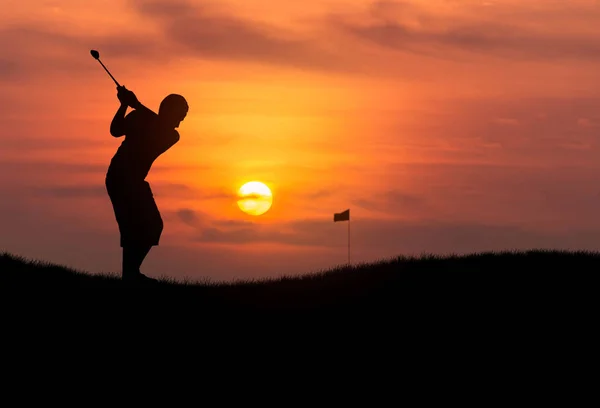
pixel 141 107
pixel 117 126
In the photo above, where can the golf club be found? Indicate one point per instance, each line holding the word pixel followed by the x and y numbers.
pixel 96 56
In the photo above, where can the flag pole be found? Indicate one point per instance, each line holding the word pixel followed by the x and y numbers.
pixel 348 242
pixel 344 216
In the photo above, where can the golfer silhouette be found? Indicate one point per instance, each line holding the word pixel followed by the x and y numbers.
pixel 147 136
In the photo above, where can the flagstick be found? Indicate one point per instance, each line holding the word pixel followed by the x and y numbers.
pixel 348 242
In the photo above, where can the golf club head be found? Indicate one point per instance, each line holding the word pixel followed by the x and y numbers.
pixel 95 54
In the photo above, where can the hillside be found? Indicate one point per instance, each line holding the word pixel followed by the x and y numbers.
pixel 536 278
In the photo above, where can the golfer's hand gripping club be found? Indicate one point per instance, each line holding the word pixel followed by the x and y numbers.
pixel 127 97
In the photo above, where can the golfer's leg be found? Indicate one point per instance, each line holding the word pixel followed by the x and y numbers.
pixel 130 266
pixel 140 255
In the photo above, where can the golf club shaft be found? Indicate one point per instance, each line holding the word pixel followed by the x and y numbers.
pixel 113 78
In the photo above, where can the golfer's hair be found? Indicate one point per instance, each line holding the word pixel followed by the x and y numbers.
pixel 173 103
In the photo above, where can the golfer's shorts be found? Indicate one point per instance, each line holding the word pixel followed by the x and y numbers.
pixel 138 217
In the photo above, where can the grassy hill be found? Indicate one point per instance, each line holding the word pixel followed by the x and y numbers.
pixel 490 281
pixel 485 320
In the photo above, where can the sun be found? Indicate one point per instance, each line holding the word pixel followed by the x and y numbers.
pixel 255 198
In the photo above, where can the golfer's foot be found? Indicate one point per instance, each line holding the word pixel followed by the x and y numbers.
pixel 138 278
pixel 141 278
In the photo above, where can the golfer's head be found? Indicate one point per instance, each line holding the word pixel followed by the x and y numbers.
pixel 173 109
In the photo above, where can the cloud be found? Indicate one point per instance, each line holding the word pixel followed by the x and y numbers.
pixel 48 142
pixel 586 123
pixel 375 235
pixel 299 234
pixel 173 190
pixel 8 68
pixel 233 223
pixel 99 190
pixel 206 33
pixel 56 47
pixel 393 201
pixel 191 217
pixel 471 127
pixel 73 191
pixel 327 43
pixel 36 51
pixel 229 231
pixel 198 219
pixel 422 31
pixel 252 197
pixel 322 193
pixel 506 121
pixel 45 167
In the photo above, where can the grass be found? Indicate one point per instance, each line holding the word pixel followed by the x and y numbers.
pixel 488 314
pixel 496 280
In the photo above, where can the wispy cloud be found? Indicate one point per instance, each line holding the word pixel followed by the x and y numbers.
pixel 191 217
pixel 73 191
pixel 382 235
pixel 394 201
pixel 409 27
pixel 38 51
pixel 99 190
pixel 206 33
pixel 381 39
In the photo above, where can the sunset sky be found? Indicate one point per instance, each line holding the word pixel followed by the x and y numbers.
pixel 444 125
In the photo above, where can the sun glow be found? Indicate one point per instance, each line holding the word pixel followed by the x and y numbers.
pixel 255 198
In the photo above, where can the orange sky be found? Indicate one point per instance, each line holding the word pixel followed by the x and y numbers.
pixel 446 126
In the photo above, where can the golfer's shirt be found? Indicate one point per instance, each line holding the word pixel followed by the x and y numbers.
pixel 145 140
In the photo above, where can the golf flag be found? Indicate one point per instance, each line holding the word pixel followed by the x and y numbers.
pixel 343 216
